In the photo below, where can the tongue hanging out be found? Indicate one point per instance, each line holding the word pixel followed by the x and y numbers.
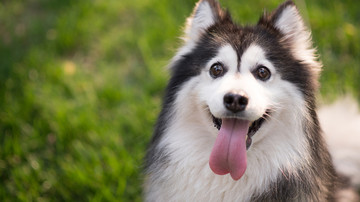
pixel 229 152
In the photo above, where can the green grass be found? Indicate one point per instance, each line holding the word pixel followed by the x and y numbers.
pixel 81 85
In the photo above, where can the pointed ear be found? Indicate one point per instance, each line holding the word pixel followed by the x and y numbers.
pixel 205 14
pixel 288 21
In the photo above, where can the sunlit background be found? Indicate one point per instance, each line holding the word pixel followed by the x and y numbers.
pixel 81 85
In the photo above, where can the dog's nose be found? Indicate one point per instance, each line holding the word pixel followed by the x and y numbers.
pixel 235 102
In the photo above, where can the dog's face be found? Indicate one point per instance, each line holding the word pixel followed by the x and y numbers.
pixel 239 87
pixel 242 76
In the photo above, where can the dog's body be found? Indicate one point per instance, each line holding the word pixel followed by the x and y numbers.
pixel 257 85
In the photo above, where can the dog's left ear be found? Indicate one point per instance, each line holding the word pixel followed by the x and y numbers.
pixel 205 14
pixel 288 21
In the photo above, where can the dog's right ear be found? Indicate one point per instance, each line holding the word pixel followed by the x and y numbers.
pixel 287 20
pixel 206 13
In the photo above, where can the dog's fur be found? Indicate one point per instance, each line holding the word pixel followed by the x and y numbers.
pixel 288 159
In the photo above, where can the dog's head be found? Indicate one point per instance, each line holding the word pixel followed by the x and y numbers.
pixel 242 76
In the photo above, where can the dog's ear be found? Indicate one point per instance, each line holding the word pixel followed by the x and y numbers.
pixel 205 14
pixel 287 20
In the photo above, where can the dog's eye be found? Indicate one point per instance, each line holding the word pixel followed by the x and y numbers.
pixel 217 70
pixel 262 73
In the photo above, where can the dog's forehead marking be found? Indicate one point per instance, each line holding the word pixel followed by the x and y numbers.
pixel 226 55
pixel 254 56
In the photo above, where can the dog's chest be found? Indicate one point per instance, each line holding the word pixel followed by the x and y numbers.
pixel 187 175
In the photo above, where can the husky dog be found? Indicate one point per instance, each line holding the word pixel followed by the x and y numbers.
pixel 241 101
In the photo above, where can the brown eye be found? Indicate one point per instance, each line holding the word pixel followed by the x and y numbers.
pixel 217 70
pixel 262 73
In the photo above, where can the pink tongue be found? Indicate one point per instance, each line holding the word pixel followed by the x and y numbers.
pixel 229 152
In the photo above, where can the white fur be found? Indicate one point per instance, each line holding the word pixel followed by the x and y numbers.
pixel 190 136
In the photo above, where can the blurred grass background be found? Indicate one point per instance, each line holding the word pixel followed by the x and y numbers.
pixel 81 85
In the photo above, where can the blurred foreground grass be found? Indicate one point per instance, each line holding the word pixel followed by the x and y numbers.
pixel 81 85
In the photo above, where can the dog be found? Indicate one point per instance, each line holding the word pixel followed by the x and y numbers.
pixel 239 117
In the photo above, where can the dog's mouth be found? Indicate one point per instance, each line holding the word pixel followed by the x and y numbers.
pixel 253 127
pixel 234 139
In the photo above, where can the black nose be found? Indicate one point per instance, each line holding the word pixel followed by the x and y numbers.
pixel 235 102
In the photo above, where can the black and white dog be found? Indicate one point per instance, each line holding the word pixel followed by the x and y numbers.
pixel 257 86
